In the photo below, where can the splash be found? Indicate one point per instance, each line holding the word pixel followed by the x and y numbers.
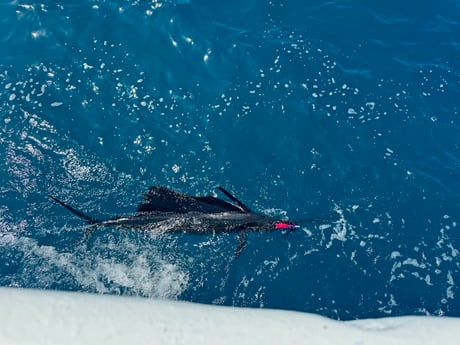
pixel 140 271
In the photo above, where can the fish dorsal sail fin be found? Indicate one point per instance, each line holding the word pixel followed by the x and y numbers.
pixel 210 204
pixel 162 199
pixel 243 208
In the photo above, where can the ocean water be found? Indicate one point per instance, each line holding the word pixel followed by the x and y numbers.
pixel 347 109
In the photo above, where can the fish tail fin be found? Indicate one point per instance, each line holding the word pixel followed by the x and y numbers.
pixel 79 214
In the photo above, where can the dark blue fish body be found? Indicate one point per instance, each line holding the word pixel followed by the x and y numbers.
pixel 167 211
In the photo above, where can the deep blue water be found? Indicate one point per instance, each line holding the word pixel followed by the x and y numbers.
pixel 301 108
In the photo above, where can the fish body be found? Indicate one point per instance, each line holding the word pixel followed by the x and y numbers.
pixel 164 210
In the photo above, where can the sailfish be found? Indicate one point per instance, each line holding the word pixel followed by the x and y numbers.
pixel 164 210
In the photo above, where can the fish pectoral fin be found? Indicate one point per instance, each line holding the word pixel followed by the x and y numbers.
pixel 88 232
pixel 242 236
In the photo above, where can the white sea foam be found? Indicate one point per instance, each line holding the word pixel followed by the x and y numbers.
pixel 141 272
